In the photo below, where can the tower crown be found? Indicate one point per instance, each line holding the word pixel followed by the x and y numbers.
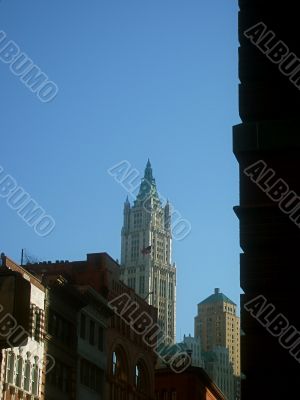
pixel 148 190
pixel 127 203
pixel 148 172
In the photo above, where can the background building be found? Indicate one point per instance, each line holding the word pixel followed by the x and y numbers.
pixel 146 253
pixel 218 328
pixel 218 325
pixel 219 368
pixel 192 345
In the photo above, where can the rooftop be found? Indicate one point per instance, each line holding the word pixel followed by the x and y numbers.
pixel 217 297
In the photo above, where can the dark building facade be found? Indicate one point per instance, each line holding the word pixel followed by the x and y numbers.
pixel 63 303
pixel 267 147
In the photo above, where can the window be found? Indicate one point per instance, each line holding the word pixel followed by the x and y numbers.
pixel 37 321
pixel 137 220
pixel 10 367
pixel 135 247
pixel 60 328
pixel 27 376
pixel 92 333
pixel 19 372
pixel 131 283
pixel 155 286
pixel 170 291
pixel 141 378
pixel 91 376
pixel 142 284
pixel 114 363
pixel 100 338
pixel 60 376
pixel 162 288
pixel 82 326
pixel 35 380
pixel 119 371
pixel 137 376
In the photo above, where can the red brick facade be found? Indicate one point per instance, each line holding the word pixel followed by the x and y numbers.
pixel 192 384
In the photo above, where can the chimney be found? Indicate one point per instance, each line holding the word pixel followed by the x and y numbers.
pixel 217 290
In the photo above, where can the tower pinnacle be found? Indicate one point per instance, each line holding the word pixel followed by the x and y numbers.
pixel 148 188
pixel 127 203
pixel 148 172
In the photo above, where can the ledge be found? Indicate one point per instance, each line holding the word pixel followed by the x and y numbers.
pixel 266 136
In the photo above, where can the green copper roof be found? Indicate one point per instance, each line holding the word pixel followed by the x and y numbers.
pixel 217 297
pixel 148 185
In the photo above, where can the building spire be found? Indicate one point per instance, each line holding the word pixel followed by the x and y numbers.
pixel 127 203
pixel 148 172
pixel 148 186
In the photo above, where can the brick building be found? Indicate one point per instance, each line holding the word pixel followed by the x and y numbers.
pixel 192 384
pixel 130 362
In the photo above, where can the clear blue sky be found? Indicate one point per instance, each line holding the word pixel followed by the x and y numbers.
pixel 136 79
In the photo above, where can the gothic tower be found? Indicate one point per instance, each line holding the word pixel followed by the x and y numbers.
pixel 146 252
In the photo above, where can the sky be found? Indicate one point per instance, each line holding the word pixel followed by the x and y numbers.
pixel 135 79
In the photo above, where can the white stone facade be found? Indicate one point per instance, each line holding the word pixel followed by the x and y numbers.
pixel 146 253
pixel 194 345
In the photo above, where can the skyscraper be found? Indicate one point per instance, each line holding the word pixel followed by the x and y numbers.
pixel 219 368
pixel 193 344
pixel 218 325
pixel 146 252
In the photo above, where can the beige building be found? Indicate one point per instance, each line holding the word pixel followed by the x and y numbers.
pixel 146 252
pixel 23 363
pixel 218 325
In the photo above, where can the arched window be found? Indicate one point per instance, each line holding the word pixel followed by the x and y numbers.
pixel 119 386
pixel 119 366
pixel 137 376
pixel 114 363
pixel 141 377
